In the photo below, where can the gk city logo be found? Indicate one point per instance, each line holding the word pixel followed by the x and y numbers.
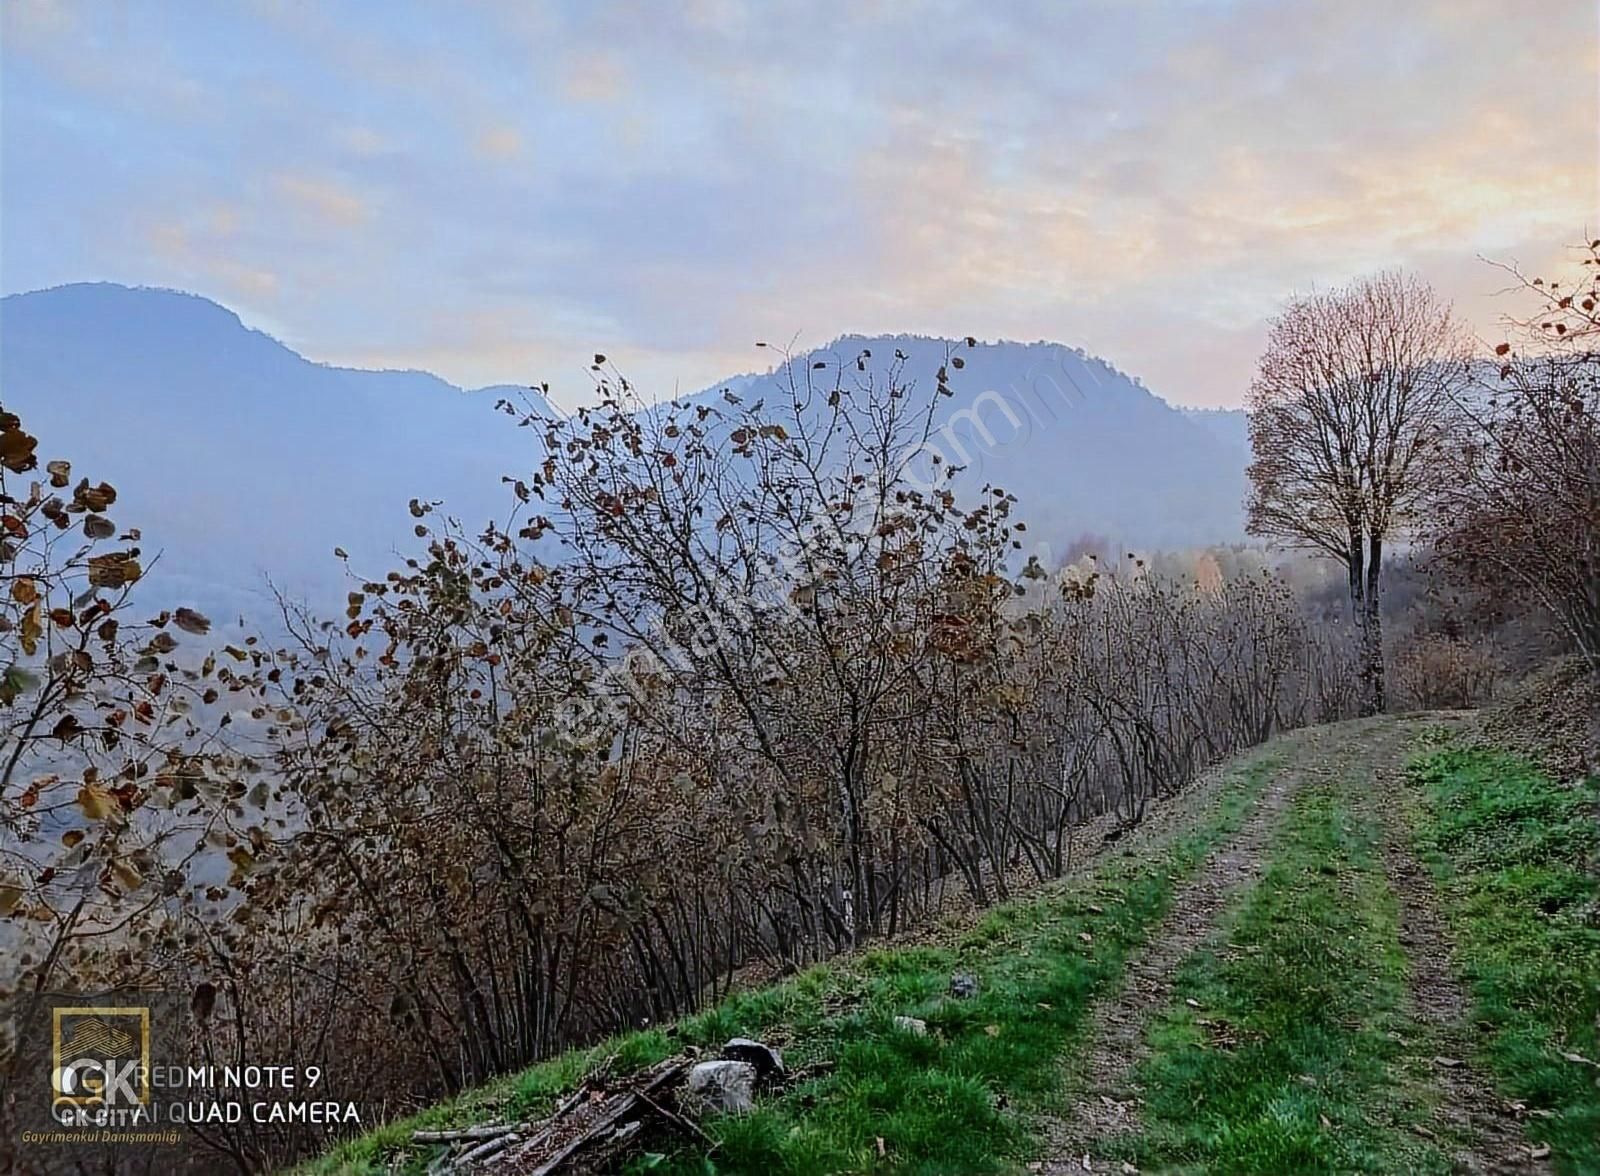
pixel 100 1059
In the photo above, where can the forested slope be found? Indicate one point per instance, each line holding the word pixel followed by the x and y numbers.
pixel 1360 947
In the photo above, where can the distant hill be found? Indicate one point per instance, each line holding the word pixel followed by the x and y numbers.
pixel 1085 447
pixel 241 459
pixel 1231 426
pixel 237 457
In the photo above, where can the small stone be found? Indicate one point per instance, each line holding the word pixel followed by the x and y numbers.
pixel 963 985
pixel 911 1025
pixel 767 1061
pixel 724 1086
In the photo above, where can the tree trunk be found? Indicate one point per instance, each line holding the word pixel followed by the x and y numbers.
pixel 1372 631
pixel 1364 563
pixel 1373 694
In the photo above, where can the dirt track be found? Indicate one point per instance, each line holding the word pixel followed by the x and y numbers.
pixel 1475 1125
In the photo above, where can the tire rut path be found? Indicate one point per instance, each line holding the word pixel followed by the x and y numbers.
pixel 1104 1098
pixel 1482 1126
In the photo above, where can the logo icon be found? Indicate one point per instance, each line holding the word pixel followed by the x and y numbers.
pixel 100 1056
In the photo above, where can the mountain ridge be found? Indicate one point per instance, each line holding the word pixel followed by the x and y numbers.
pixel 242 459
pixel 1087 448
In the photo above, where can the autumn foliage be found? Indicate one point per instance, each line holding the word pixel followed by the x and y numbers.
pixel 1518 512
pixel 734 685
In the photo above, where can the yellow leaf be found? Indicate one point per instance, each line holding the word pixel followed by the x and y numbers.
pixel 128 877
pixel 31 630
pixel 24 591
pixel 97 804
pixel 10 896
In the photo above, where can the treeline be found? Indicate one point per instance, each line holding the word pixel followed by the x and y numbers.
pixel 776 696
pixel 769 692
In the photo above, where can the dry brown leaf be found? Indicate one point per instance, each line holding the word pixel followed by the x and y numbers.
pixel 97 804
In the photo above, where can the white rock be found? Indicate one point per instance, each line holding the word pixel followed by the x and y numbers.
pixel 911 1025
pixel 724 1086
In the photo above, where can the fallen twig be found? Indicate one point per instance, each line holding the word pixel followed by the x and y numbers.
pixel 688 1128
pixel 485 1149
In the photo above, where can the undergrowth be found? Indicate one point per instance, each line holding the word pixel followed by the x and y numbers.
pixel 957 1101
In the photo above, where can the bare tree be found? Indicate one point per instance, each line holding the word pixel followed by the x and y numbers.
pixel 1351 403
pixel 1520 510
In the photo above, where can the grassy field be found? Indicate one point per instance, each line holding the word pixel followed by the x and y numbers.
pixel 1517 854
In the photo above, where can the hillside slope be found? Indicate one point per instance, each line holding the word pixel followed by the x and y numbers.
pixel 245 459
pixel 1319 960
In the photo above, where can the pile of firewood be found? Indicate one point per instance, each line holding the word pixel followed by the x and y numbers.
pixel 608 1117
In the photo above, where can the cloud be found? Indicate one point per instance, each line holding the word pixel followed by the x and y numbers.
pixel 595 76
pixel 201 261
pixel 35 21
pixel 363 141
pixel 718 173
pixel 499 142
pixel 326 200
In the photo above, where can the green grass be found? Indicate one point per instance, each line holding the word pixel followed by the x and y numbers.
pixel 1289 1058
pixel 956 1101
pixel 1516 856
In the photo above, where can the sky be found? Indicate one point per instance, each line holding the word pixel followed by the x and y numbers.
pixel 494 191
